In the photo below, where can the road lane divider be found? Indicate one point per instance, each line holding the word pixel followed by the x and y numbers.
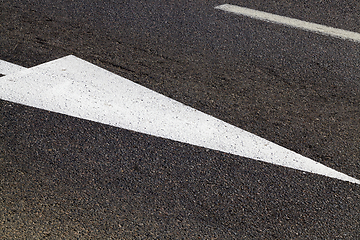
pixel 77 88
pixel 291 22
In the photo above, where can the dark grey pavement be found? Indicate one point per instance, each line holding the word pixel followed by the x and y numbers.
pixel 67 178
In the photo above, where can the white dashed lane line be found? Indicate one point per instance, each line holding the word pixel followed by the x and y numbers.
pixel 295 23
pixel 77 88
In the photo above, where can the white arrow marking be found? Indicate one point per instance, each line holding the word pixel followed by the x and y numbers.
pixel 77 88
pixel 7 68
pixel 334 32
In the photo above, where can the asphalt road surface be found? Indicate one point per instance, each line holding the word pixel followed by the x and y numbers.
pixel 68 178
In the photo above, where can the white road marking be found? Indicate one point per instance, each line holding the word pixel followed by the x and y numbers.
pixel 334 32
pixel 7 68
pixel 78 88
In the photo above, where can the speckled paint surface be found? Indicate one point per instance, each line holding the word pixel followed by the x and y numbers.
pixel 63 177
pixel 67 178
pixel 77 88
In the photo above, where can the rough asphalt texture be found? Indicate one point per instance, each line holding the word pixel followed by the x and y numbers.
pixel 66 178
